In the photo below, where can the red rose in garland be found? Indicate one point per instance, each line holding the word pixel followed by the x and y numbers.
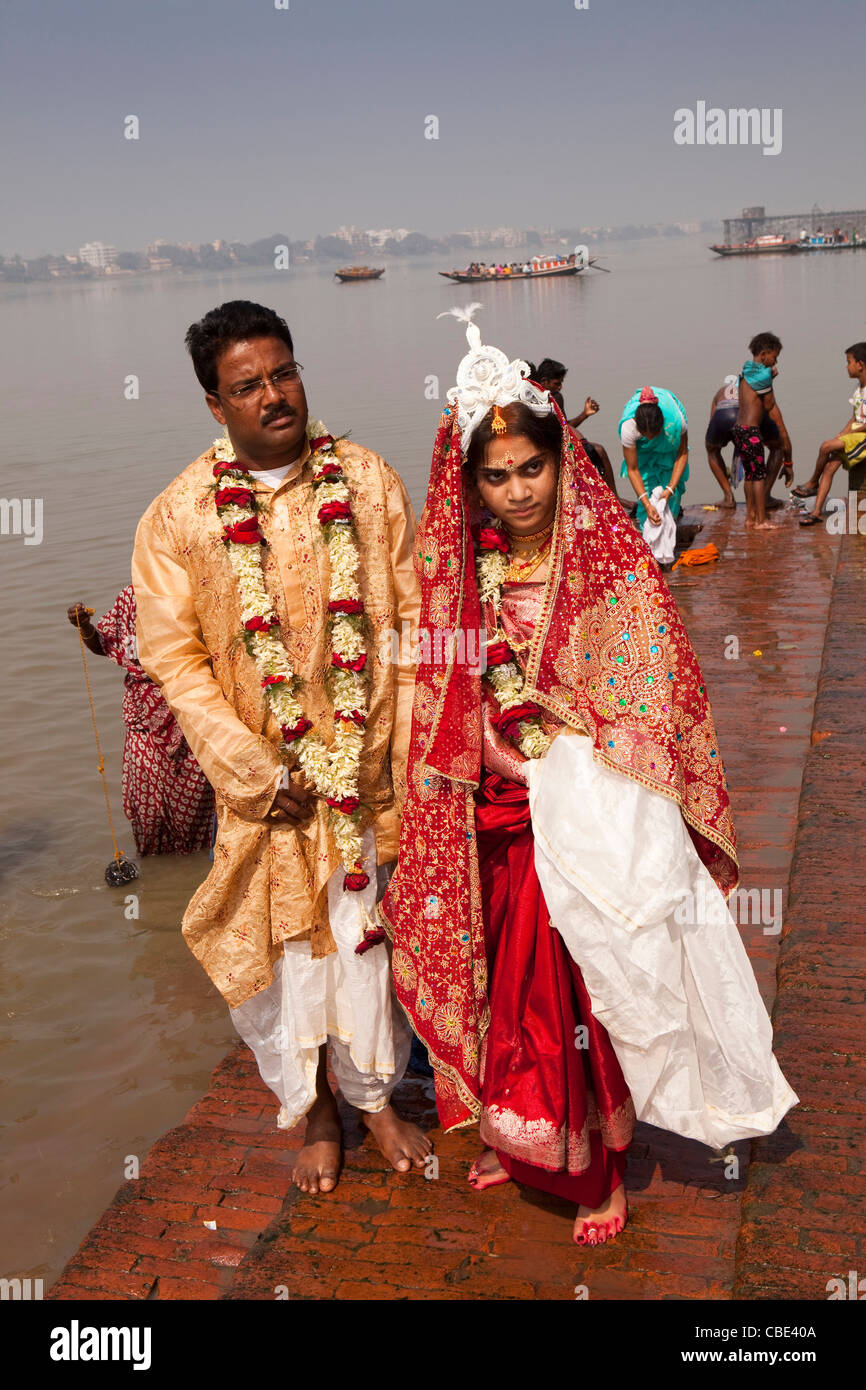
pixel 334 511
pixel 244 532
pixel 497 653
pixel 491 538
pixel 508 721
pixel 345 605
pixel 234 497
pixel 291 735
pixel 345 665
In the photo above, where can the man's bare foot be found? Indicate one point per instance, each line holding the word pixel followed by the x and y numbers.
pixel 317 1167
pixel 487 1171
pixel 403 1144
pixel 729 501
pixel 773 503
pixel 594 1227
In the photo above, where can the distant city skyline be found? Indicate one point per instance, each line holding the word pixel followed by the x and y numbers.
pixel 157 254
pixel 131 120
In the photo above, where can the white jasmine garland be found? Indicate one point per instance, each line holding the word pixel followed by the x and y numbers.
pixel 332 771
pixel 506 680
pixel 491 567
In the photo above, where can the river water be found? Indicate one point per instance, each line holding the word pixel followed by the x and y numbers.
pixel 109 1029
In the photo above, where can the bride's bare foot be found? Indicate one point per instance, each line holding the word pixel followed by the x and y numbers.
pixel 403 1144
pixel 595 1226
pixel 317 1168
pixel 487 1171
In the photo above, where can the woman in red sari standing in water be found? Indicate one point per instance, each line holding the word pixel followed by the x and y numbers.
pixel 166 796
pixel 564 791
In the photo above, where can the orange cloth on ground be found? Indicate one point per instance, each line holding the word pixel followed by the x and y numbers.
pixel 703 555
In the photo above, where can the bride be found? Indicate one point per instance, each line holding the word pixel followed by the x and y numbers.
pixel 566 799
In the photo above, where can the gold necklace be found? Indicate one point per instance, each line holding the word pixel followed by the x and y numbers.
pixel 520 570
pixel 536 535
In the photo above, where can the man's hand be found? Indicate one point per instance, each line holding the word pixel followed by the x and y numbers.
pixel 590 407
pixel 293 804
pixel 79 615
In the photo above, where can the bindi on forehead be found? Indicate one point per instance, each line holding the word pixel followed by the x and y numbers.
pixel 507 463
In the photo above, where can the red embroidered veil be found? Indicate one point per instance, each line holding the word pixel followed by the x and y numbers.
pixel 610 656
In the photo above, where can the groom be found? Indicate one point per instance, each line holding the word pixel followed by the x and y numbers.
pixel 265 576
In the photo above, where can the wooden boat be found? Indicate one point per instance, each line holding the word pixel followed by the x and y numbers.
pixel 762 245
pixel 543 268
pixel 358 272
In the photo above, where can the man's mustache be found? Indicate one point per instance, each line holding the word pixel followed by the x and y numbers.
pixel 278 413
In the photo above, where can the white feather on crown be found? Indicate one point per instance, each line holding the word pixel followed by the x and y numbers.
pixel 486 378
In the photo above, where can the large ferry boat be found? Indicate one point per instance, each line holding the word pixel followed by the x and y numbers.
pixel 537 268
pixel 761 246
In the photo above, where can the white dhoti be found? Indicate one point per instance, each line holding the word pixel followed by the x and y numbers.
pixel 677 995
pixel 343 998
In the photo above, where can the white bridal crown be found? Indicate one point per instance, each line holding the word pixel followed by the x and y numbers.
pixel 486 378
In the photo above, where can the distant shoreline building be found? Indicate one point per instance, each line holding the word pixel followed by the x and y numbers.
pixel 376 237
pixel 98 255
pixel 755 222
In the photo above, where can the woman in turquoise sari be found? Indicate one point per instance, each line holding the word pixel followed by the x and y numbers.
pixel 654 432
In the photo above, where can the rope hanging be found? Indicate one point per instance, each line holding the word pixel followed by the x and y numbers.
pixel 120 870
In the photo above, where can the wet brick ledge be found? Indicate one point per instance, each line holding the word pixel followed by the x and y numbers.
pixel 780 1227
pixel 804 1207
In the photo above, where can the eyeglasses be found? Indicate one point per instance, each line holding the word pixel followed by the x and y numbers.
pixel 251 390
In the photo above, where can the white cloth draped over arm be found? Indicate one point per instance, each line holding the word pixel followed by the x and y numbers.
pixel 677 995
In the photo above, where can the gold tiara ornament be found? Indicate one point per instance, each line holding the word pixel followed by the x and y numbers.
pixel 485 379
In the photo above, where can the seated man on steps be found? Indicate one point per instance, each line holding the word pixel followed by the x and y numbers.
pixel 847 448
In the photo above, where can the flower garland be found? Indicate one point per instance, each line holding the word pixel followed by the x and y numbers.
pixel 518 719
pixel 333 772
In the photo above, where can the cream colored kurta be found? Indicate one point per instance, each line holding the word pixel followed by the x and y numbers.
pixel 268 883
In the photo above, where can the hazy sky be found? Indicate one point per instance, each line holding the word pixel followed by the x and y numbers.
pixel 254 119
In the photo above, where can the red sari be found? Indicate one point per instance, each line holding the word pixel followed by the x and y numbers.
pixel 555 1106
pixel 609 659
